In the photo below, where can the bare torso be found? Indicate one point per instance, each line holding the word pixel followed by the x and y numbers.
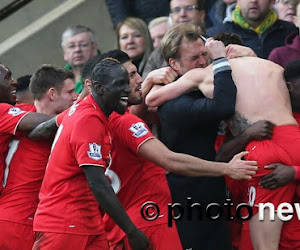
pixel 262 93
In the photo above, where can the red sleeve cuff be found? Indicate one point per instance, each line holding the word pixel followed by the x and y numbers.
pixel 297 172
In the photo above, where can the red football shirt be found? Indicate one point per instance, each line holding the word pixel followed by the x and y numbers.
pixel 134 179
pixel 25 168
pixel 67 204
pixel 10 118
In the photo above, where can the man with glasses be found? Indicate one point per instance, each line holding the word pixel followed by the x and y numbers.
pixel 79 45
pixel 258 25
pixel 291 50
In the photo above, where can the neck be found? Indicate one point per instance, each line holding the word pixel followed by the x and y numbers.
pixel 99 101
pixel 44 107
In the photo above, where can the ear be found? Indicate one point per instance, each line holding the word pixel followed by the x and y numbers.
pixel 94 49
pixel 65 55
pixel 99 88
pixel 88 85
pixel 202 16
pixel 52 94
pixel 174 64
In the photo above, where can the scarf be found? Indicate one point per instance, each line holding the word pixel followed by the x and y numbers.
pixel 270 19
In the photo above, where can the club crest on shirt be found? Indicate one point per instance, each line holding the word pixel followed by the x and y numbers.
pixel 15 111
pixel 138 129
pixel 95 151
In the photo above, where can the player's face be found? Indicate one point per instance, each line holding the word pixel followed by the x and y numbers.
pixel 183 13
pixel 7 86
pixel 193 55
pixel 135 82
pixel 66 96
pixel 255 10
pixel 78 49
pixel 132 42
pixel 115 97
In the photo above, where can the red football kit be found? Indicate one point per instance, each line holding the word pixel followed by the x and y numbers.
pixel 136 181
pixel 67 205
pixel 10 118
pixel 25 167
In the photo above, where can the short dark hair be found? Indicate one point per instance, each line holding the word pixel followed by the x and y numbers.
pixel 23 83
pixel 46 77
pixel 102 71
pixel 229 38
pixel 292 71
pixel 88 67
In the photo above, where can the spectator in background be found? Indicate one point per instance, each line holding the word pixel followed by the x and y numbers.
pixel 284 10
pixel 135 40
pixel 158 27
pixel 291 50
pixel 258 25
pixel 182 11
pixel 23 95
pixel 220 10
pixel 79 45
pixel 144 9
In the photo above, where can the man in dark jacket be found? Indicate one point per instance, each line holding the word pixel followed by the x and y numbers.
pixel 258 25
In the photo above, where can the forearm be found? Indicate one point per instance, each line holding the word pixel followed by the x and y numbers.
pixel 45 130
pixel 107 199
pixel 31 120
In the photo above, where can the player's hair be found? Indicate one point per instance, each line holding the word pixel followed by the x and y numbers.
pixel 174 37
pixel 88 67
pixel 46 77
pixel 292 71
pixel 23 83
pixel 138 24
pixel 74 30
pixel 102 73
pixel 229 38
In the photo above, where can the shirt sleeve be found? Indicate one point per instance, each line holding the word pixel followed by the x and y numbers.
pixel 88 141
pixel 131 130
pixel 187 109
pixel 10 118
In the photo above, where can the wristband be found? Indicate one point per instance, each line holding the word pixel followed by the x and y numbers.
pixel 220 64
pixel 297 173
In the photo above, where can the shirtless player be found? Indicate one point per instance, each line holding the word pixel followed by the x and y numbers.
pixel 261 95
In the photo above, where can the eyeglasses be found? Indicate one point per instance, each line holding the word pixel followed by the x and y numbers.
pixel 285 2
pixel 83 45
pixel 187 8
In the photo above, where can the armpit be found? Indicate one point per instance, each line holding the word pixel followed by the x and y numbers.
pixel 238 123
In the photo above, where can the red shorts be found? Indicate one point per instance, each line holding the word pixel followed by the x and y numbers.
pixel 15 236
pixel 161 237
pixel 282 148
pixel 46 240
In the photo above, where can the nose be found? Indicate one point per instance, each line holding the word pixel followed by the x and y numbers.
pixel 182 12
pixel 74 96
pixel 13 83
pixel 202 62
pixel 140 79
pixel 77 47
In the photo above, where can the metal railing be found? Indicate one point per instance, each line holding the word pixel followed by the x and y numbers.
pixel 12 7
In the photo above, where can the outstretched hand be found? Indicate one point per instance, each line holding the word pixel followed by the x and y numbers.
pixel 240 169
pixel 281 176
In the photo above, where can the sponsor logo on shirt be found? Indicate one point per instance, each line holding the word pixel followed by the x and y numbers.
pixel 95 151
pixel 15 111
pixel 138 129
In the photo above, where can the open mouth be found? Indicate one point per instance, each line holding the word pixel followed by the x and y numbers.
pixel 124 101
pixel 13 92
